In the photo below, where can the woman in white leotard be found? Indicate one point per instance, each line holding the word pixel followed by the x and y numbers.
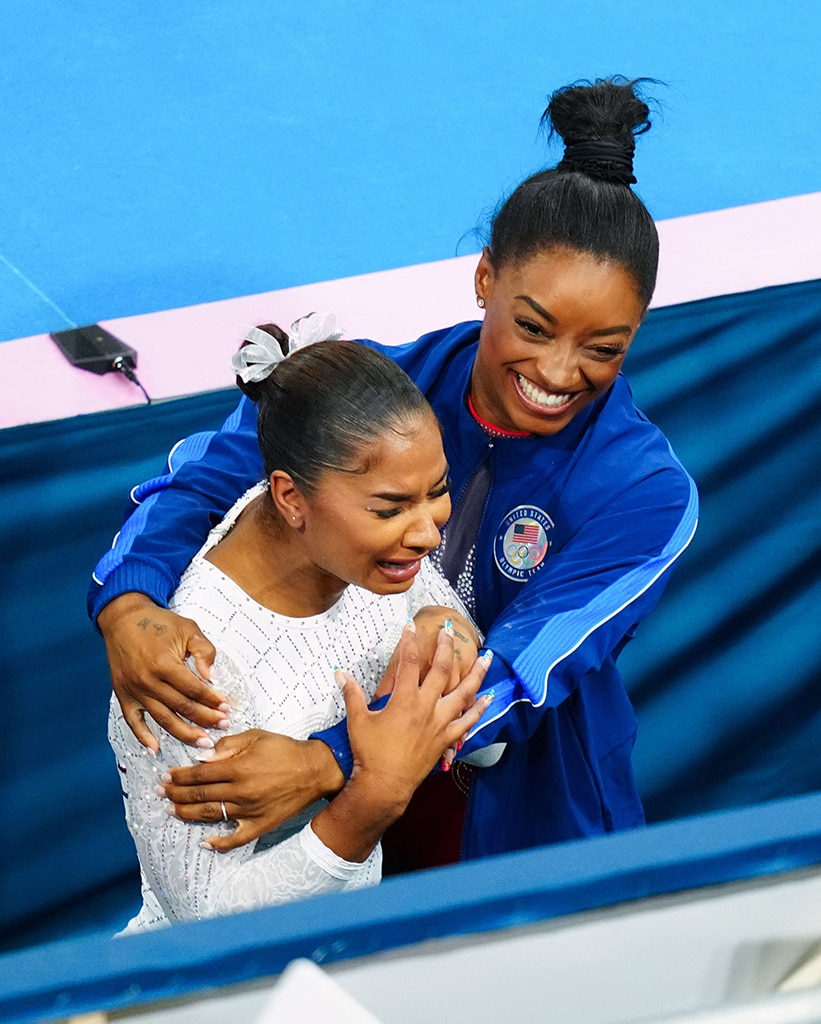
pixel 308 584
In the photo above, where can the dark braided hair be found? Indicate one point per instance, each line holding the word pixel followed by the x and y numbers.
pixel 586 202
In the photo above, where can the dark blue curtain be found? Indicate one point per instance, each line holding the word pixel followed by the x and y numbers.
pixel 67 863
pixel 726 675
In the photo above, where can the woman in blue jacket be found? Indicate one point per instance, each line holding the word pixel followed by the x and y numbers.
pixel 569 510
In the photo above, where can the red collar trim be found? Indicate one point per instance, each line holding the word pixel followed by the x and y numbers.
pixel 490 428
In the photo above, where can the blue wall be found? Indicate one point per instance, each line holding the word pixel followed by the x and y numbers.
pixel 155 155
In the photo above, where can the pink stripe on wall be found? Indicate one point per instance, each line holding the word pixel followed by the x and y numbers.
pixel 188 350
pixel 739 249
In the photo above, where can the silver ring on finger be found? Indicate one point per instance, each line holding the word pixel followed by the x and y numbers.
pixel 224 812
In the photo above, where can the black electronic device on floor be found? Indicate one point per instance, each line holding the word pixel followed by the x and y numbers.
pixel 96 349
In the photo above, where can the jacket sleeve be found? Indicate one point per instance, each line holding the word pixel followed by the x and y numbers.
pixel 172 514
pixel 577 614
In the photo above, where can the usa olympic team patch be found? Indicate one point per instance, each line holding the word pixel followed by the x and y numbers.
pixel 522 542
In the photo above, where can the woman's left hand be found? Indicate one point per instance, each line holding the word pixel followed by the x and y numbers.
pixel 262 778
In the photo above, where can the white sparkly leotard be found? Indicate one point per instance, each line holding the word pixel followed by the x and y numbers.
pixel 277 673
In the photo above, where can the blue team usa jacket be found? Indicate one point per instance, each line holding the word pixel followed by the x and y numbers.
pixel 576 537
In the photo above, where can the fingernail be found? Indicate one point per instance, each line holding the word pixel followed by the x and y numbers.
pixel 205 742
pixel 166 777
pixel 223 723
pixel 448 627
pixel 339 678
pixel 224 707
pixel 159 790
pixel 459 745
pixel 488 697
pixel 169 810
pixel 487 656
pixel 205 845
pixel 151 751
pixel 410 625
pixel 205 755
pixel 444 764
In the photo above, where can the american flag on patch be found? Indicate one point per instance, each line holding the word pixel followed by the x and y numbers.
pixel 527 532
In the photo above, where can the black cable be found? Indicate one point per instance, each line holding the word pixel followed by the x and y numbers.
pixel 122 365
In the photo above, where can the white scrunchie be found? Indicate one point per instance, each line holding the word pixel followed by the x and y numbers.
pixel 253 362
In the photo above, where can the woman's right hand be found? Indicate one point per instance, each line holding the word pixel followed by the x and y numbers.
pixel 147 647
pixel 396 747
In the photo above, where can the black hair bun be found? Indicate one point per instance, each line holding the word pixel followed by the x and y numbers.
pixel 254 389
pixel 598 122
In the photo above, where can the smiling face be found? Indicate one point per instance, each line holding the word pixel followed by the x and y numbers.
pixel 555 333
pixel 373 528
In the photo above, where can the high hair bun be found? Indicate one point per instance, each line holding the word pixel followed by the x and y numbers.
pixel 598 122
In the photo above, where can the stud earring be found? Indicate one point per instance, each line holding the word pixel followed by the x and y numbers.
pixel 480 302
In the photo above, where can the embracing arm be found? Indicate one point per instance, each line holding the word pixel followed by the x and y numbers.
pixel 576 613
pixel 394 749
pixel 579 612
pixel 193 882
pixel 266 778
pixel 566 622
pixel 172 515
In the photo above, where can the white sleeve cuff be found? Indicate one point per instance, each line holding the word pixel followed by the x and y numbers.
pixel 325 858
